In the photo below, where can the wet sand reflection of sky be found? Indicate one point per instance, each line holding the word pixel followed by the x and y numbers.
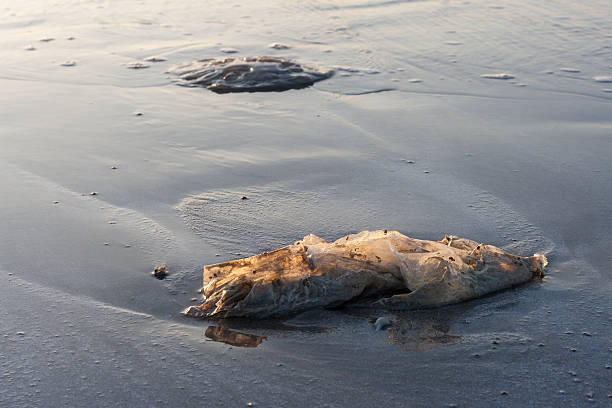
pixel 234 338
pixel 420 335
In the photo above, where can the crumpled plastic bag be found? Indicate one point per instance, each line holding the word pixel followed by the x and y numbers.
pixel 395 271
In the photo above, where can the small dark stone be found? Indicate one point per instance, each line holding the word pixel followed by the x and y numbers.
pixel 244 198
pixel 160 272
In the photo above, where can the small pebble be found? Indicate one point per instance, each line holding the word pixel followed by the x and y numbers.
pixel 278 46
pixel 590 394
pixel 561 391
pixel 426 171
pixel 20 333
pixel 56 202
pixel 47 39
pixel 217 254
pixel 279 364
pixel 504 393
pixel 138 113
pixel 127 246
pixel 30 48
pixel 568 332
pixel 68 63
pixel 107 243
pixel 607 367
pixel 587 334
pixel 137 65
pixel 573 373
pixel 382 323
pixel 114 167
pixel 541 345
pixel 160 272
pixel 194 299
pixel 228 50
pixel 93 193
pixel 495 342
pixel 244 198
pixel 251 404
pixel 572 349
pixel 71 38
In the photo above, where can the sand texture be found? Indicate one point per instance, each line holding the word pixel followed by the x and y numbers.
pixel 406 134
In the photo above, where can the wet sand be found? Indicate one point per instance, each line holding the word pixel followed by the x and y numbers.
pixel 525 168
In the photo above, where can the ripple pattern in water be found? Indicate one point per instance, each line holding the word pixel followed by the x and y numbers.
pixel 249 74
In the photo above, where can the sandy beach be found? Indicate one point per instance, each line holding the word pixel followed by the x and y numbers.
pixel 491 121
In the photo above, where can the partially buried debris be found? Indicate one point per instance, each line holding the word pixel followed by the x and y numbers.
pixel 395 271
pixel 249 74
pixel 160 272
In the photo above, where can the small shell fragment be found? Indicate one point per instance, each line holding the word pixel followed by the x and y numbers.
pixel 382 323
pixel 137 65
pixel 155 59
pixel 502 75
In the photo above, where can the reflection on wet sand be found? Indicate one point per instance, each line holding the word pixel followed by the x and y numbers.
pixel 224 335
pixel 420 335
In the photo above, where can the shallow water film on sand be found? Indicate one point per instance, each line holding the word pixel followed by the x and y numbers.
pixel 486 120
